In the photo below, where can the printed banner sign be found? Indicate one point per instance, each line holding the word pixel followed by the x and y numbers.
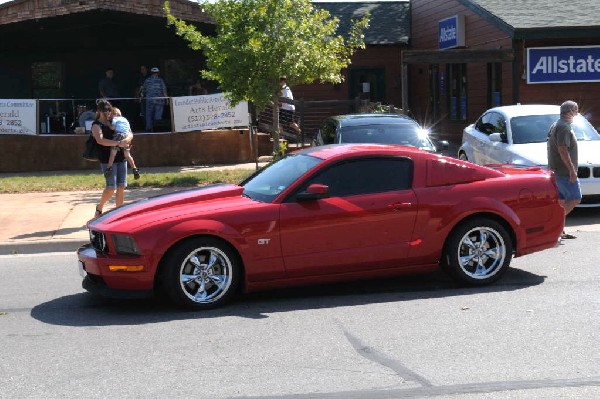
pixel 451 32
pixel 563 64
pixel 18 116
pixel 213 111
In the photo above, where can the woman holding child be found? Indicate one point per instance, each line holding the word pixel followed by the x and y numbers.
pixel 117 180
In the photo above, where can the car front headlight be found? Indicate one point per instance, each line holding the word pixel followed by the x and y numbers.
pixel 125 244
pixel 98 241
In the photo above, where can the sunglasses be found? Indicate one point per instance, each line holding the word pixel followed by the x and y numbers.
pixel 107 110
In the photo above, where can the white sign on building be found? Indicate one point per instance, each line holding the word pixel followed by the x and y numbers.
pixel 212 111
pixel 18 116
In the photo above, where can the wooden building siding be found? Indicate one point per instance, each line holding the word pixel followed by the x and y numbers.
pixel 479 34
pixel 387 57
pixel 425 15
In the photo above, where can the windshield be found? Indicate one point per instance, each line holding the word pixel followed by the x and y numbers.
pixel 535 128
pixel 269 182
pixel 584 131
pixel 404 134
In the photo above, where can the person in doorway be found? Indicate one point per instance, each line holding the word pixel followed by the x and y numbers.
pixel 144 73
pixel 197 89
pixel 122 129
pixel 107 86
pixel 154 90
pixel 286 110
pixel 104 136
pixel 562 159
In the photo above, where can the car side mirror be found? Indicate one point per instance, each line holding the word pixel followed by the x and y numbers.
pixel 313 192
pixel 497 138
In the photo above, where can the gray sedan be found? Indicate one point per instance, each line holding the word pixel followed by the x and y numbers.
pixel 376 128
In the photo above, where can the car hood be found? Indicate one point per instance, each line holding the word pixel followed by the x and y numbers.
pixel 180 204
pixel 537 153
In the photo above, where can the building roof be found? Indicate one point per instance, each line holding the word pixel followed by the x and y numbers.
pixel 540 18
pixel 36 10
pixel 390 20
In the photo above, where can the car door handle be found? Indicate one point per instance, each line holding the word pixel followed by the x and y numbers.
pixel 399 205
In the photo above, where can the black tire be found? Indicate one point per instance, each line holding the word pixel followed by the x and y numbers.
pixel 463 156
pixel 477 252
pixel 201 273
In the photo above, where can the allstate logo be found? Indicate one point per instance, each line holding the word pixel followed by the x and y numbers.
pixel 447 34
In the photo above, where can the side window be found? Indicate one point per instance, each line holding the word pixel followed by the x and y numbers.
pixel 366 176
pixel 499 122
pixel 491 122
pixel 328 132
pixel 479 125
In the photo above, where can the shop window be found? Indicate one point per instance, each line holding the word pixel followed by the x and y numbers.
pixel 494 92
pixel 367 84
pixel 457 91
pixel 47 79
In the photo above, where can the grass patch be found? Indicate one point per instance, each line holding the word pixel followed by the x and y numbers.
pixel 48 182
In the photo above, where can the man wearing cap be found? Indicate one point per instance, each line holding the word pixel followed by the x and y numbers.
pixel 154 90
pixel 562 159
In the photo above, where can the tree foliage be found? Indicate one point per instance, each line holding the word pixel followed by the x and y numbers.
pixel 258 41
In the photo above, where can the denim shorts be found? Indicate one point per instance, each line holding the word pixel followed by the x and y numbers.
pixel 118 178
pixel 568 191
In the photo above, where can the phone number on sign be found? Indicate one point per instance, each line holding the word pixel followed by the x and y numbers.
pixel 210 117
pixel 10 122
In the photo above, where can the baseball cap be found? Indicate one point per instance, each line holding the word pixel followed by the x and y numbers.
pixel 155 69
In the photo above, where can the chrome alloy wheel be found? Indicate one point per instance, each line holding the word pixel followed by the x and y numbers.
pixel 206 275
pixel 481 252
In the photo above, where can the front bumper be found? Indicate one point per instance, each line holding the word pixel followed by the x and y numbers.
pixel 99 279
pixel 590 189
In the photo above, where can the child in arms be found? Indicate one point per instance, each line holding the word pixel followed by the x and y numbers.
pixel 121 127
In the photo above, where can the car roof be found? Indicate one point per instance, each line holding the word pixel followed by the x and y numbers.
pixel 341 150
pixel 368 119
pixel 527 109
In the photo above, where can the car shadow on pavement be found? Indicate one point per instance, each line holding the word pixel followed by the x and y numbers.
pixel 84 310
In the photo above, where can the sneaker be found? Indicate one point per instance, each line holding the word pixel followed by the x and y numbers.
pixel 108 172
pixel 136 173
pixel 567 236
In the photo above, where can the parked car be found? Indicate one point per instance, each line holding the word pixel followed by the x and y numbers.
pixel 324 214
pixel 376 128
pixel 517 134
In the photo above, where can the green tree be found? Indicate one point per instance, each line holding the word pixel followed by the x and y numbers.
pixel 258 41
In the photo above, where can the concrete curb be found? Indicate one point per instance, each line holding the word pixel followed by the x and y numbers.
pixel 36 247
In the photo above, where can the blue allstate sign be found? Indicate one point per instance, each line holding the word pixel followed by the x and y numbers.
pixel 451 32
pixel 563 64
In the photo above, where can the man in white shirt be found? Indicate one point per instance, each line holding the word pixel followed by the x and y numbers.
pixel 286 110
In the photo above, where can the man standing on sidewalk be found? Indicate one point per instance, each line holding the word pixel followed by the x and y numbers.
pixel 562 159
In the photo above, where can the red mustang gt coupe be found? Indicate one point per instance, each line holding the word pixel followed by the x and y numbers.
pixel 321 215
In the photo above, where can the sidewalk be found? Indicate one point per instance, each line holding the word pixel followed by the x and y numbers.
pixel 56 221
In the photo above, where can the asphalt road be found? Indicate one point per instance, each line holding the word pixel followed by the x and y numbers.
pixel 535 334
